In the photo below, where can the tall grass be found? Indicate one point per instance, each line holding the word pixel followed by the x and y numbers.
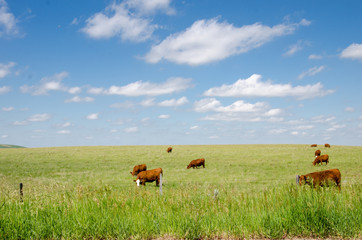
pixel 190 213
pixel 88 193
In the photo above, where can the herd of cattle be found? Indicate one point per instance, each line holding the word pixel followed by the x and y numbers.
pixel 315 178
pixel 323 177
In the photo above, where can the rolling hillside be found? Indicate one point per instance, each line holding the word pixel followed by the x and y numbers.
pixel 10 146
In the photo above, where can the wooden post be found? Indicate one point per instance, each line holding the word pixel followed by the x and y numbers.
pixel 160 183
pixel 21 192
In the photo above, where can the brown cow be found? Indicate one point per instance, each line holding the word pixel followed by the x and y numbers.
pixel 321 178
pixel 313 145
pixel 327 145
pixel 149 176
pixel 320 159
pixel 196 163
pixel 138 168
pixel 169 149
pixel 317 153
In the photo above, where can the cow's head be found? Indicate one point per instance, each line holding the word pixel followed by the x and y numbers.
pixel 303 179
pixel 188 166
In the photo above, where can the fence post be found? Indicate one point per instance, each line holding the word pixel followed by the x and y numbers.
pixel 21 192
pixel 160 183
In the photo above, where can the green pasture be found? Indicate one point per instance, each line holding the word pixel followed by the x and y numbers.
pixel 244 191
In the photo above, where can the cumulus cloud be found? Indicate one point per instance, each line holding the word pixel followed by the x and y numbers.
pixel 140 88
pixel 78 99
pixel 5 68
pixel 164 116
pixel 117 20
pixel 7 21
pixel 93 116
pixel 315 57
pixel 353 51
pixel 210 40
pixel 8 109
pixel 174 102
pixel 296 48
pixel 147 7
pixel 311 72
pixel 237 111
pixel 64 132
pixel 254 87
pixel 39 117
pixel 53 83
pixel 349 109
pixel 4 89
pixel 131 129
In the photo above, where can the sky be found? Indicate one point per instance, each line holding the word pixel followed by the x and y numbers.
pixel 166 72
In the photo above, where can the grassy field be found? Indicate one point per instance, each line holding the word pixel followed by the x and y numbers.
pixel 244 191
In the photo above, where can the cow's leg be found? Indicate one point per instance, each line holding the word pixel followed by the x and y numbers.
pixel 158 181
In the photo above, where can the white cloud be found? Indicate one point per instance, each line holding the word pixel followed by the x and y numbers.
pixel 96 91
pixel 53 83
pixel 7 21
pixel 64 132
pixel 8 109
pixel 5 68
pixel 336 127
pixel 311 72
pixel 4 136
pixel 349 109
pixel 194 127
pixel 78 99
pixel 93 116
pixel 315 57
pixel 164 116
pixel 148 102
pixel 4 89
pixel 174 102
pixel 146 7
pixel 39 117
pixel 140 88
pixel 237 111
pixel 295 48
pixel 254 87
pixel 20 123
pixel 210 40
pixel 277 131
pixel 353 51
pixel 74 90
pixel 117 20
pixel 131 129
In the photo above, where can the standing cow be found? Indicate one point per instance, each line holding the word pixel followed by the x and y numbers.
pixel 196 163
pixel 321 178
pixel 313 145
pixel 138 168
pixel 149 176
pixel 327 145
pixel 320 159
pixel 317 153
pixel 169 150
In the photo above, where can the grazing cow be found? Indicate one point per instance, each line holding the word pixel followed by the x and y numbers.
pixel 321 178
pixel 317 153
pixel 313 145
pixel 196 163
pixel 320 159
pixel 327 145
pixel 169 149
pixel 138 168
pixel 149 176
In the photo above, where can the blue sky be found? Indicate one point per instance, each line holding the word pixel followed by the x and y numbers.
pixel 146 72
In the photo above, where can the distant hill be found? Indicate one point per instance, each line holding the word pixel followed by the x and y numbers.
pixel 10 146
